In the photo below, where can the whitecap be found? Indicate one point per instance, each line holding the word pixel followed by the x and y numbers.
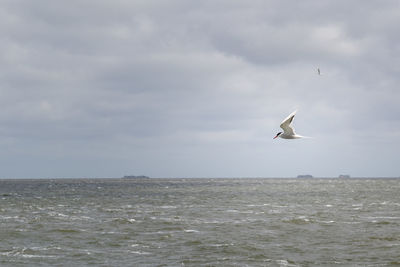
pixel 221 245
pixel 285 263
pixel 37 256
pixel 191 231
pixel 327 222
pixel 232 211
pixel 140 252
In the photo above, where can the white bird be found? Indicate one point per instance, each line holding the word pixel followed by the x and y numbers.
pixel 288 130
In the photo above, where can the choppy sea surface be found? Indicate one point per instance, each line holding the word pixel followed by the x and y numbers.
pixel 200 222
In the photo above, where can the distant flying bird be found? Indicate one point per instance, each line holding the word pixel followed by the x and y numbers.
pixel 288 130
pixel 319 71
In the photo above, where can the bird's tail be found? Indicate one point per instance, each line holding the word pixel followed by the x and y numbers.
pixel 304 137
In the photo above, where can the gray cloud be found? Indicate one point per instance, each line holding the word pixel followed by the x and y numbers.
pixel 198 89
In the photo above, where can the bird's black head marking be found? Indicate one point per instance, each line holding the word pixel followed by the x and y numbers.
pixel 278 134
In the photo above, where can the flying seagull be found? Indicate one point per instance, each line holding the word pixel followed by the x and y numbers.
pixel 288 130
pixel 319 71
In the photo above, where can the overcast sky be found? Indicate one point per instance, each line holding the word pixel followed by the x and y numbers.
pixel 183 88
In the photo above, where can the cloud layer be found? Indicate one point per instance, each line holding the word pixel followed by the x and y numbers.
pixel 185 89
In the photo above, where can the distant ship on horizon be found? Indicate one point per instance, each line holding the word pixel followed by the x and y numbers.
pixel 305 176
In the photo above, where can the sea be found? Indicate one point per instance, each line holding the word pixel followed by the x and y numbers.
pixel 200 222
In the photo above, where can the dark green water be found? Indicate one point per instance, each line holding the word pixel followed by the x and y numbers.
pixel 200 222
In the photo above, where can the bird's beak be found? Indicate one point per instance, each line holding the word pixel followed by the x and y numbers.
pixel 275 137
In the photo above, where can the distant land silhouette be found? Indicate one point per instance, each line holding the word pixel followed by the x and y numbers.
pixel 135 177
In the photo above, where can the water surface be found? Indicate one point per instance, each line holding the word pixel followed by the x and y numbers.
pixel 200 222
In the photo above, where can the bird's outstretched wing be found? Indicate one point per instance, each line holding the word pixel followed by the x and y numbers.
pixel 285 125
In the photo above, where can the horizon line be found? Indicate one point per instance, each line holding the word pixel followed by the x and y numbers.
pixel 200 177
